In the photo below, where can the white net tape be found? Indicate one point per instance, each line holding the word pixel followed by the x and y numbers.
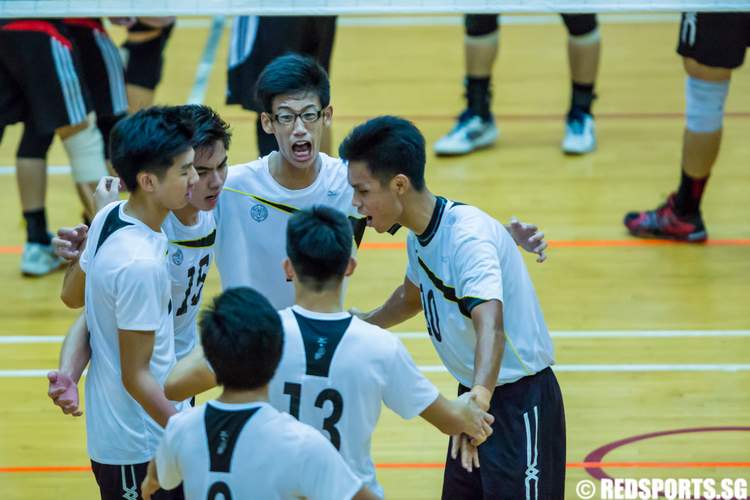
pixel 102 8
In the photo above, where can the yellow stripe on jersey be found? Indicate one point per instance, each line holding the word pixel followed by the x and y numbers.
pixel 278 206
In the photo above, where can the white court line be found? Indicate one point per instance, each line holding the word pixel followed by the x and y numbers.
pixel 450 20
pixel 583 334
pixel 599 368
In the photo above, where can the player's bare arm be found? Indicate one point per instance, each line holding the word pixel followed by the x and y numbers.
pixel 365 494
pixel 487 318
pixel 136 348
pixel 190 376
pixel 462 415
pixel 74 356
pixel 73 287
pixel 150 484
pixel 403 303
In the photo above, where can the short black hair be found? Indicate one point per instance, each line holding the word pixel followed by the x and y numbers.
pixel 389 145
pixel 292 74
pixel 206 124
pixel 147 141
pixel 319 245
pixel 242 338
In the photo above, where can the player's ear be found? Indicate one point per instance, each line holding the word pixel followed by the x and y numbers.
pixel 328 116
pixel 400 184
pixel 266 122
pixel 350 267
pixel 146 181
pixel 288 269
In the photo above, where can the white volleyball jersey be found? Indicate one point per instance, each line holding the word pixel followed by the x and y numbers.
pixel 464 258
pixel 251 217
pixel 335 373
pixel 189 256
pixel 127 288
pixel 250 451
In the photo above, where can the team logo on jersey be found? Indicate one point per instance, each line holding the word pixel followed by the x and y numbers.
pixel 223 442
pixel 259 213
pixel 177 257
pixel 333 193
pixel 322 342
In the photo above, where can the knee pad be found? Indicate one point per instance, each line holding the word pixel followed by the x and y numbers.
pixel 704 104
pixel 86 153
pixel 582 27
pixel 33 144
pixel 480 24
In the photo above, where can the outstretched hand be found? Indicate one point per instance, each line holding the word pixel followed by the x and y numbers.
pixel 528 237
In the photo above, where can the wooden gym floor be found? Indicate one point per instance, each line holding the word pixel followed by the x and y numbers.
pixel 603 293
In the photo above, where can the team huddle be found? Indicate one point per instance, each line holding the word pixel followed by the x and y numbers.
pixel 303 380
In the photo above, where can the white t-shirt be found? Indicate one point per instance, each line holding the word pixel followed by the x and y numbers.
pixel 189 256
pixel 335 373
pixel 127 287
pixel 251 217
pixel 464 258
pixel 250 451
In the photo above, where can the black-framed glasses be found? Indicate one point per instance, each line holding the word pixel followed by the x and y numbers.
pixel 287 118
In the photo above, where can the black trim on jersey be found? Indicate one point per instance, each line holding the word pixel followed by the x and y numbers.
pixel 465 305
pixel 394 229
pixel 437 214
pixel 278 206
pixel 222 429
pixel 321 338
pixel 169 308
pixel 112 223
pixel 206 241
pixel 358 228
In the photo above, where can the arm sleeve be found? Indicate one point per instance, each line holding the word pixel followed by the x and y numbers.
pixel 140 295
pixel 324 474
pixel 407 391
pixel 167 467
pixel 477 268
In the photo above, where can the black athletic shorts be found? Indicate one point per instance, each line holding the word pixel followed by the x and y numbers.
pixel 40 75
pixel 484 24
pixel 525 456
pixel 124 481
pixel 715 39
pixel 256 41
pixel 145 60
pixel 102 66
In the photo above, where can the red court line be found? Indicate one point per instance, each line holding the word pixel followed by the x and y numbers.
pixel 573 465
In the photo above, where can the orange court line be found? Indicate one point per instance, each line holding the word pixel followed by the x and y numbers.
pixel 573 465
pixel 400 245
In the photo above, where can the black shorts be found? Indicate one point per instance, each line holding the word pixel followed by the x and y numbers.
pixel 124 481
pixel 145 60
pixel 256 41
pixel 525 456
pixel 715 39
pixel 102 66
pixel 40 76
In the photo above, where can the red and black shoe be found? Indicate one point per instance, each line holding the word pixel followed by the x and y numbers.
pixel 666 224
